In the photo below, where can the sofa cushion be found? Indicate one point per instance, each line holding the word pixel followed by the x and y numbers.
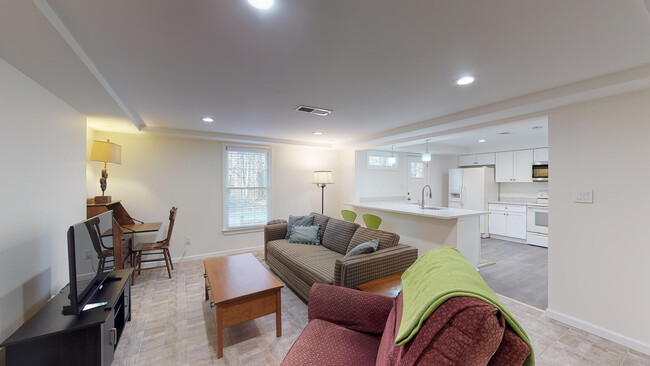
pixel 326 344
pixel 338 234
pixel 311 263
pixel 462 331
pixel 363 234
pixel 321 220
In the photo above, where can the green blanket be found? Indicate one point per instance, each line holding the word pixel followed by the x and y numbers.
pixel 435 277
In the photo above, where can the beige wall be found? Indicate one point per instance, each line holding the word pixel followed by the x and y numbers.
pixel 158 172
pixel 599 277
pixel 42 144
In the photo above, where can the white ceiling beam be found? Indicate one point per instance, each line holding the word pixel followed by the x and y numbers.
pixel 56 22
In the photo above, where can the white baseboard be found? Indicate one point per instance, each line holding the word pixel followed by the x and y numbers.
pixel 222 253
pixel 599 331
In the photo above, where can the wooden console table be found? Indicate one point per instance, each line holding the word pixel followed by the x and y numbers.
pixel 123 224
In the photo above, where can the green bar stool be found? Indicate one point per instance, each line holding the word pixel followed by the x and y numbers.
pixel 372 221
pixel 349 215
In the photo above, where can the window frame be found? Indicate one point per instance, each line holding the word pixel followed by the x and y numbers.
pixel 249 228
pixel 383 154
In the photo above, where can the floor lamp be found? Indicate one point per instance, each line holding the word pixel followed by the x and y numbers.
pixel 321 179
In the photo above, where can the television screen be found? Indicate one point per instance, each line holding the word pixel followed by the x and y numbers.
pixel 90 257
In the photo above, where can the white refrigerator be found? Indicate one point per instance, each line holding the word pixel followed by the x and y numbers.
pixel 471 189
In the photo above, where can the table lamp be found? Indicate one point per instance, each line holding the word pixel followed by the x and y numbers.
pixel 105 152
pixel 321 179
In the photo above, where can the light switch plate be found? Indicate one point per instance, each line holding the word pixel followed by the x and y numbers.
pixel 583 195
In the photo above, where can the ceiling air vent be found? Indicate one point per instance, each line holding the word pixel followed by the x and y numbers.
pixel 313 110
pixel 504 133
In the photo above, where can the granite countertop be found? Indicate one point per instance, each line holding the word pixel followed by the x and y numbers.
pixel 414 209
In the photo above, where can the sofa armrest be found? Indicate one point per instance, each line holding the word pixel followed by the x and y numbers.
pixel 274 232
pixel 352 309
pixel 359 269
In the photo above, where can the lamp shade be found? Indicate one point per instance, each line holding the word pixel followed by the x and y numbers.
pixel 323 177
pixel 426 156
pixel 106 152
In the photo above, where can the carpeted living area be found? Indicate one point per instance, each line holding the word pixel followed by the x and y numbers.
pixel 173 325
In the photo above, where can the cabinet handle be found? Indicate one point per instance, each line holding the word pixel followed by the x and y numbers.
pixel 113 332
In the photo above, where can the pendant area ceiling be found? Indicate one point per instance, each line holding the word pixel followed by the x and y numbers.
pixel 378 64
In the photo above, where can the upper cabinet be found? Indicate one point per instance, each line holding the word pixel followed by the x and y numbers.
pixel 514 166
pixel 540 155
pixel 476 159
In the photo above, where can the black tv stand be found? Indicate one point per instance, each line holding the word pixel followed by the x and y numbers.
pixel 90 338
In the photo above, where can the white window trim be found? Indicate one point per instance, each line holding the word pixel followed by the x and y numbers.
pixel 382 154
pixel 224 161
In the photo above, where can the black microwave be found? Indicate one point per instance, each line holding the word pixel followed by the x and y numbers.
pixel 540 172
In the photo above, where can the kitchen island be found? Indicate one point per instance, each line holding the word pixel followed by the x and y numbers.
pixel 429 227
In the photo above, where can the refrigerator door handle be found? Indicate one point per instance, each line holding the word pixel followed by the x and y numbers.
pixel 462 196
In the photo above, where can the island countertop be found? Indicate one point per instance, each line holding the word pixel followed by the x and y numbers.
pixel 415 209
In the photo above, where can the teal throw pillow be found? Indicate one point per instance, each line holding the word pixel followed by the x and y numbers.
pixel 305 235
pixel 367 247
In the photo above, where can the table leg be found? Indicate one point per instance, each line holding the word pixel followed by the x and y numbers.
pixel 278 314
pixel 219 331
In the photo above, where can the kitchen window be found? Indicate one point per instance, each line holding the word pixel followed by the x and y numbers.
pixel 246 187
pixel 417 169
pixel 379 160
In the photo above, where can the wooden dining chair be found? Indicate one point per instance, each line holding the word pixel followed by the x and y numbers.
pixel 104 253
pixel 158 248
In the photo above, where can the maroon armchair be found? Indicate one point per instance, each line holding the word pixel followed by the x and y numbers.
pixel 350 327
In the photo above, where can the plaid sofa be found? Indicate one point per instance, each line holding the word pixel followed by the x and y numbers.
pixel 300 266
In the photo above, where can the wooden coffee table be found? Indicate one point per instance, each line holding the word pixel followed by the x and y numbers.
pixel 387 286
pixel 241 290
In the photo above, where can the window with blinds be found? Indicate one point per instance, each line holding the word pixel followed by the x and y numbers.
pixel 246 187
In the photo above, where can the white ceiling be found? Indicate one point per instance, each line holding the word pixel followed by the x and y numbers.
pixel 379 64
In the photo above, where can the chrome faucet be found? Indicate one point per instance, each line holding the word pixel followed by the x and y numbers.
pixel 430 196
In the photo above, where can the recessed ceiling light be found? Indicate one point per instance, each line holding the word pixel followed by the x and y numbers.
pixel 208 119
pixel 465 80
pixel 481 140
pixel 317 133
pixel 261 4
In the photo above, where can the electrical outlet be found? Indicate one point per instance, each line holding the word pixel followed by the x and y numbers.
pixel 188 240
pixel 583 196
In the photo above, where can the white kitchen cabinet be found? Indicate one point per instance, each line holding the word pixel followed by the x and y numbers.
pixel 504 168
pixel 516 225
pixel 467 160
pixel 476 159
pixel 514 166
pixel 508 220
pixel 540 155
pixel 497 223
pixel 523 165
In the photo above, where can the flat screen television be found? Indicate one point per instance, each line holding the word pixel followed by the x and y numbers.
pixel 90 259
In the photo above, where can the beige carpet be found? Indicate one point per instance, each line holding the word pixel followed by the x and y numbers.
pixel 173 325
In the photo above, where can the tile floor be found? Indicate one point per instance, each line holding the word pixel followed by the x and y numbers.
pixel 173 325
